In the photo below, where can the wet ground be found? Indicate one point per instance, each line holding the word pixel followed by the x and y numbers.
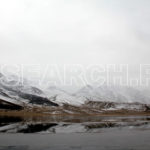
pixel 74 132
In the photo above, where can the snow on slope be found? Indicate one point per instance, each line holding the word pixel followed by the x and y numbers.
pixel 60 96
pixel 14 92
pixel 114 94
pixel 20 93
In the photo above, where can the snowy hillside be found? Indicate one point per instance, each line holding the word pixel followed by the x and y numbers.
pixel 28 94
pixel 114 94
pixel 60 96
pixel 13 91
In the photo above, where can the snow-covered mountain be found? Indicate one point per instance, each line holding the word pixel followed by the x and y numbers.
pixel 114 94
pixel 13 91
pixel 60 96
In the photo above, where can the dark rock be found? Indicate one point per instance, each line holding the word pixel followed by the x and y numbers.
pixel 34 99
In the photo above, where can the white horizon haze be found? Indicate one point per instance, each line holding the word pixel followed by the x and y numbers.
pixel 84 32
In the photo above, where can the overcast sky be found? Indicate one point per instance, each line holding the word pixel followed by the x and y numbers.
pixel 74 31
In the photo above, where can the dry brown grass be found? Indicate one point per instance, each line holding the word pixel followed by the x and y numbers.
pixel 61 112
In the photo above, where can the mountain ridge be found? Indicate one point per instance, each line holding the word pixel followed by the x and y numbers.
pixel 53 96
